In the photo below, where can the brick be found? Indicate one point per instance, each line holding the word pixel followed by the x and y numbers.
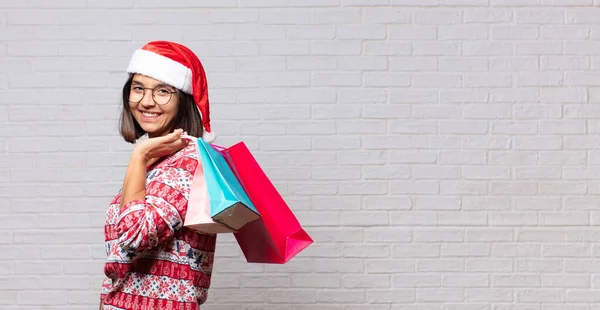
pixel 254 33
pixel 561 250
pixel 540 265
pixel 464 2
pixel 380 266
pixel 390 296
pixel 40 298
pixel 377 79
pixel 462 96
pixel 363 188
pixel 336 79
pixel 464 281
pixel 488 265
pixel 489 295
pixel 353 32
pixel 489 235
pixel 412 32
pixel 425 3
pixel 412 280
pixel 515 3
pixel 541 235
pixel 462 127
pixel 361 157
pixel 253 281
pixel 513 219
pixel 567 3
pixel 546 294
pixel 340 296
pixel 380 48
pixel 427 48
pixel 464 32
pixel 416 250
pixel 430 203
pixel 305 188
pixel 440 295
pixel 566 62
pixel 366 281
pixel 521 96
pixel 437 17
pixel 379 234
pixel 386 142
pixel 325 48
pixel 379 15
pixel 333 173
pixel 518 32
pixel 313 32
pixel 539 16
pixel 420 187
pixel 438 235
pixel 325 281
pixel 564 219
pixel 488 15
pixel 487 49
pixel 342 143
pixel 386 203
pixel 184 4
pixel 539 203
pixel 536 173
pixel 538 48
pixel 366 251
pixel 337 16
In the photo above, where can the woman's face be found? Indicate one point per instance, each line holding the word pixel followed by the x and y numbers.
pixel 152 114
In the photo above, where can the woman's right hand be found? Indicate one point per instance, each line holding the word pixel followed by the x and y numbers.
pixel 160 146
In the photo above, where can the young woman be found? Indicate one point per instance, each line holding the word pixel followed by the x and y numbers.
pixel 153 262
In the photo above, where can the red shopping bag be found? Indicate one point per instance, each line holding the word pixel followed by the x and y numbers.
pixel 277 236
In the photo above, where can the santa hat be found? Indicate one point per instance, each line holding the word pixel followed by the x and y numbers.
pixel 175 65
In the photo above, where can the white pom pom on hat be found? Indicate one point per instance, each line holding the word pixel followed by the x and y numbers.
pixel 178 66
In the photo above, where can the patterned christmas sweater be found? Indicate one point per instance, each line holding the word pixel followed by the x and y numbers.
pixel 153 262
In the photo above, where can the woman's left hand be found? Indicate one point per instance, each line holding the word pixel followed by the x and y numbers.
pixel 160 146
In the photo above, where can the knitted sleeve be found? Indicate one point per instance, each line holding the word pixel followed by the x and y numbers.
pixel 145 224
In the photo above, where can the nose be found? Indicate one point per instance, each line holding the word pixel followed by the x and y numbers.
pixel 147 100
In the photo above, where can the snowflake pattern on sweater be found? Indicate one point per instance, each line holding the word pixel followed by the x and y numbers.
pixel 153 262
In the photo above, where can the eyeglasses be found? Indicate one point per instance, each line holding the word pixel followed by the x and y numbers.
pixel 161 95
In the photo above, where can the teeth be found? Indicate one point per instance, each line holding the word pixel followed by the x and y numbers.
pixel 146 114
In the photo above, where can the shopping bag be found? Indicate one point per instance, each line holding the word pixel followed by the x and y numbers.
pixel 217 203
pixel 277 236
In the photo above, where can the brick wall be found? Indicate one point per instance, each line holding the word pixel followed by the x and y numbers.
pixel 443 154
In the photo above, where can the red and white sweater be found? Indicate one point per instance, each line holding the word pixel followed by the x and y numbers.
pixel 153 262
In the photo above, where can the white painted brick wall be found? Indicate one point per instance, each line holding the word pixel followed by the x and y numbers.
pixel 443 154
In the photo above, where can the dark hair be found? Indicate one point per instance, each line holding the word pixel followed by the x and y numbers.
pixel 187 118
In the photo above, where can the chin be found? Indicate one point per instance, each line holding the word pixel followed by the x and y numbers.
pixel 152 130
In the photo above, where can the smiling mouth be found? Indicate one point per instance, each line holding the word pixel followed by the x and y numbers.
pixel 150 115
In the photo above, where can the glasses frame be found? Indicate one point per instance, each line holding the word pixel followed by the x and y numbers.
pixel 153 96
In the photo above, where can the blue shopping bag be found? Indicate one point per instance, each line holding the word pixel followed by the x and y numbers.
pixel 229 203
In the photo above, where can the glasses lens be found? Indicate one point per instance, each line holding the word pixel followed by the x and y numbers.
pixel 162 96
pixel 136 94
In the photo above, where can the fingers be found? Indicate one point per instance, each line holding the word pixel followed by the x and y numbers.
pixel 174 136
pixel 176 140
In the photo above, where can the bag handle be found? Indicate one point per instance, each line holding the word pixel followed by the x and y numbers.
pixel 190 138
pixel 217 148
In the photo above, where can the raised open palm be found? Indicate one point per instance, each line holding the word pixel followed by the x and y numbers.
pixel 157 147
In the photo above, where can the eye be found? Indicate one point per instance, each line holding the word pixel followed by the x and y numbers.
pixel 162 91
pixel 137 89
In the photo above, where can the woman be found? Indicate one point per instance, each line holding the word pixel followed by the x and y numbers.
pixel 153 262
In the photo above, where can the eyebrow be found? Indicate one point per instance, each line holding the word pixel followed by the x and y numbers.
pixel 157 85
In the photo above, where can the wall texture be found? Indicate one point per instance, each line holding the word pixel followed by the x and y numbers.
pixel 444 154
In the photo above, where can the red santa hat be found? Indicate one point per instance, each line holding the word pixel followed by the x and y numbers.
pixel 175 65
